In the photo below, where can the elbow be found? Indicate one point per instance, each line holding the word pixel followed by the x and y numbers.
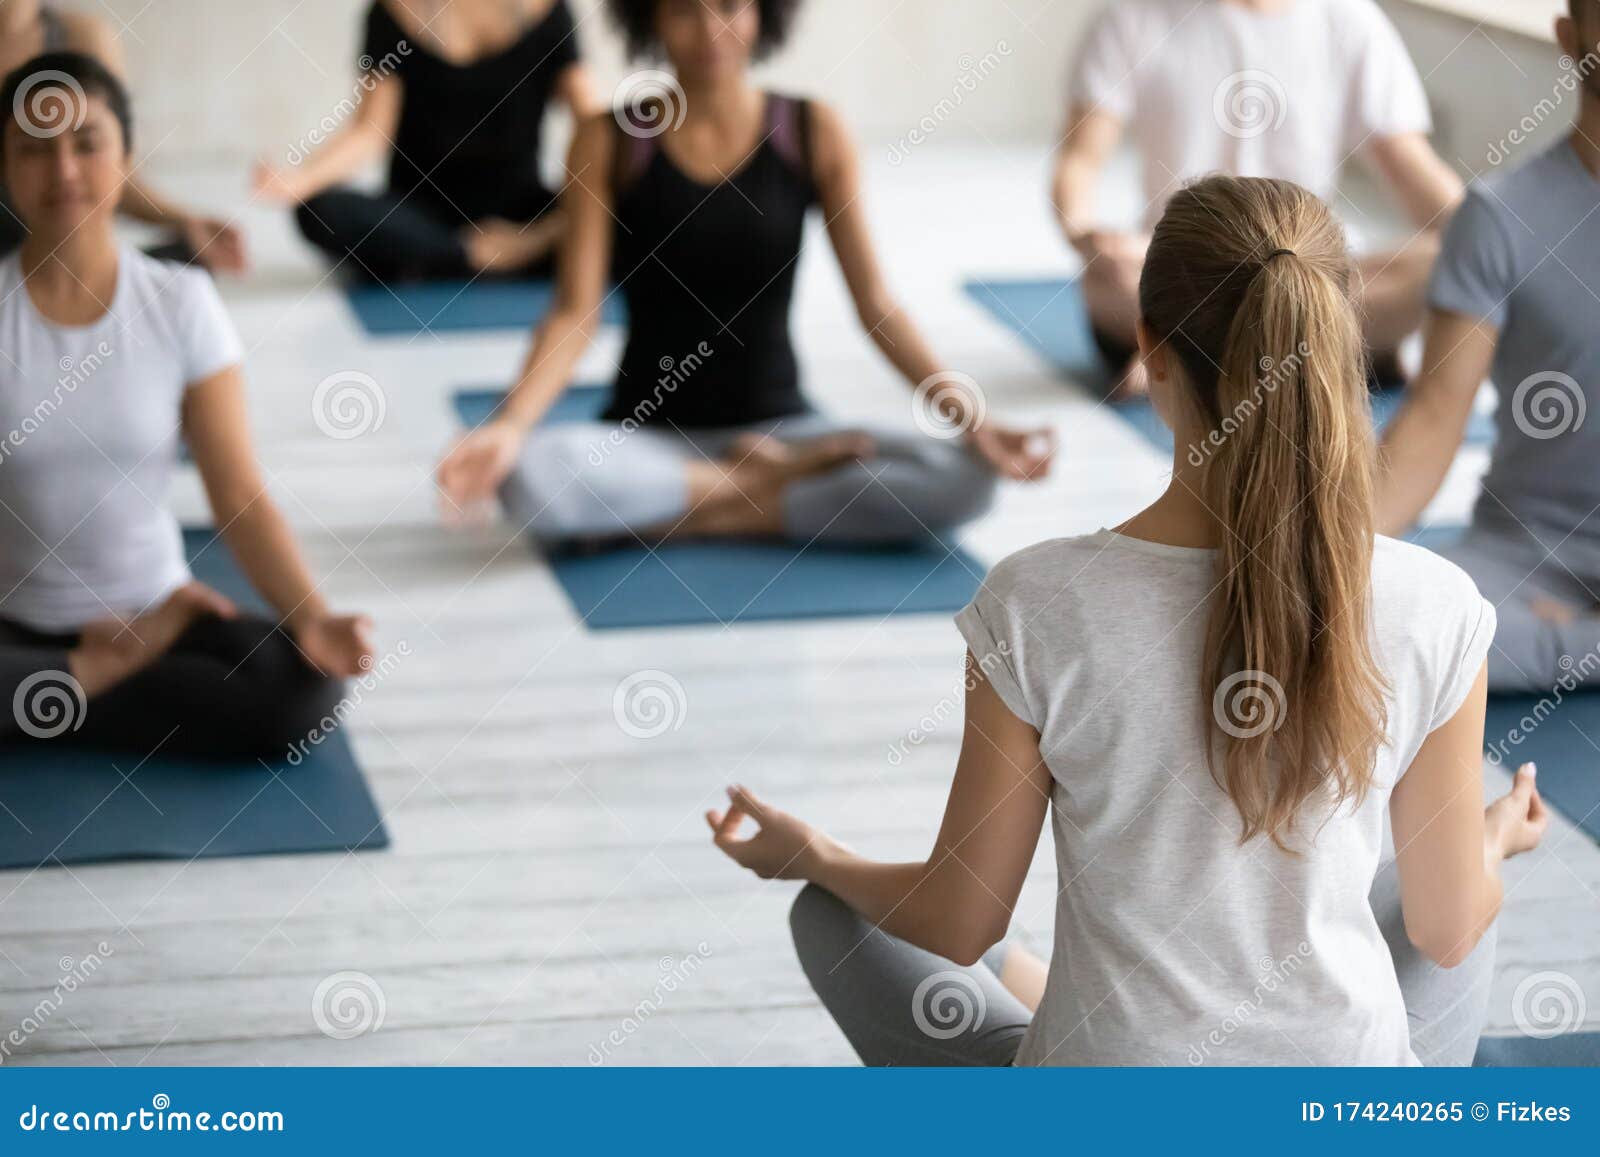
pixel 874 309
pixel 966 944
pixel 1449 944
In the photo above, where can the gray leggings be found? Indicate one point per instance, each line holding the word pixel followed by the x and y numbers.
pixel 1511 570
pixel 594 480
pixel 868 982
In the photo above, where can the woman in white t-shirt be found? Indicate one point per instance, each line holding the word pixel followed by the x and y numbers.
pixel 1292 89
pixel 1215 703
pixel 113 358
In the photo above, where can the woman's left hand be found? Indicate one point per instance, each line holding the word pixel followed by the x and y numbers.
pixel 217 245
pixel 337 645
pixel 784 847
pixel 1021 455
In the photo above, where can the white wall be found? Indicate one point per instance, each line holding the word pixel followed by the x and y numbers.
pixel 222 80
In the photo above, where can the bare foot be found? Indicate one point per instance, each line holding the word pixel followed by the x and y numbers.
pixel 766 462
pixel 1553 610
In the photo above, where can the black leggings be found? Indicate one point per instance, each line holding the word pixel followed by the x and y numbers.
pixel 227 689
pixel 390 238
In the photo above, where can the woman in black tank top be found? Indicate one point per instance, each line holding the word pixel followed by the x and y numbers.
pixel 455 96
pixel 694 195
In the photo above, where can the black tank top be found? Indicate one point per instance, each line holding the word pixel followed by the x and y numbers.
pixel 468 140
pixel 708 275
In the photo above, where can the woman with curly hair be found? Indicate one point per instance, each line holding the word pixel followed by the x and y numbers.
pixel 694 195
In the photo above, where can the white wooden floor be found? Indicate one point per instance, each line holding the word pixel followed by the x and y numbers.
pixel 550 871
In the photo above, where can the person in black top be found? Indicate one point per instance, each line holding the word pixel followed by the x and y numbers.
pixel 694 194
pixel 455 94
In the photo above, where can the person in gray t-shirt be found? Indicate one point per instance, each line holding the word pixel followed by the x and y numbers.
pixel 1515 297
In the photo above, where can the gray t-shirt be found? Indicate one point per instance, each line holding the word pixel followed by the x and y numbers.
pixel 1523 253
pixel 1174 944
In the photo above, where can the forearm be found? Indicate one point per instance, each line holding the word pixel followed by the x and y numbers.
pixel 1073 195
pixel 549 366
pixel 340 159
pixel 914 901
pixel 1415 456
pixel 265 547
pixel 144 204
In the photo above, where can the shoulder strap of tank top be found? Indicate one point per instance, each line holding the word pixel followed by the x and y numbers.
pixel 637 132
pixel 789 122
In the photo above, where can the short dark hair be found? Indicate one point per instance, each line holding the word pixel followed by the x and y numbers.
pixel 637 21
pixel 67 70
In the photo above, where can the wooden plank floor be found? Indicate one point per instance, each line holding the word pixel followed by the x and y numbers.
pixel 550 870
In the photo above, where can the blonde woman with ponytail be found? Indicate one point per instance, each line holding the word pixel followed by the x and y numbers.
pixel 1216 704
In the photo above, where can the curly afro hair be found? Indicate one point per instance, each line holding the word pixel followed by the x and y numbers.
pixel 637 21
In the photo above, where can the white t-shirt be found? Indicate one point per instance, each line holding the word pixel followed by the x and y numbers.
pixel 89 435
pixel 1174 944
pixel 1210 86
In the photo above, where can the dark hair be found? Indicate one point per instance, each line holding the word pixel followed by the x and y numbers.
pixel 73 71
pixel 637 21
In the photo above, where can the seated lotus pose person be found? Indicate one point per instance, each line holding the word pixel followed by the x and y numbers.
pixel 1308 677
pixel 1256 88
pixel 697 198
pixel 111 355
pixel 28 29
pixel 1511 299
pixel 454 93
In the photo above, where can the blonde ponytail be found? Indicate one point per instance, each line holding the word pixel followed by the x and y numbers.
pixel 1248 282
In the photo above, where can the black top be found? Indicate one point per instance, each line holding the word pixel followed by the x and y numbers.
pixel 468 140
pixel 708 275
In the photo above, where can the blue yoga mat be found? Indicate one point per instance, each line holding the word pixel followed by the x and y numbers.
pixel 1570 1050
pixel 1562 738
pixel 699 583
pixel 1049 314
pixel 459 306
pixel 64 806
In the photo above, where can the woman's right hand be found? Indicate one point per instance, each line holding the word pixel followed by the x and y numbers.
pixel 1516 822
pixel 110 650
pixel 473 470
